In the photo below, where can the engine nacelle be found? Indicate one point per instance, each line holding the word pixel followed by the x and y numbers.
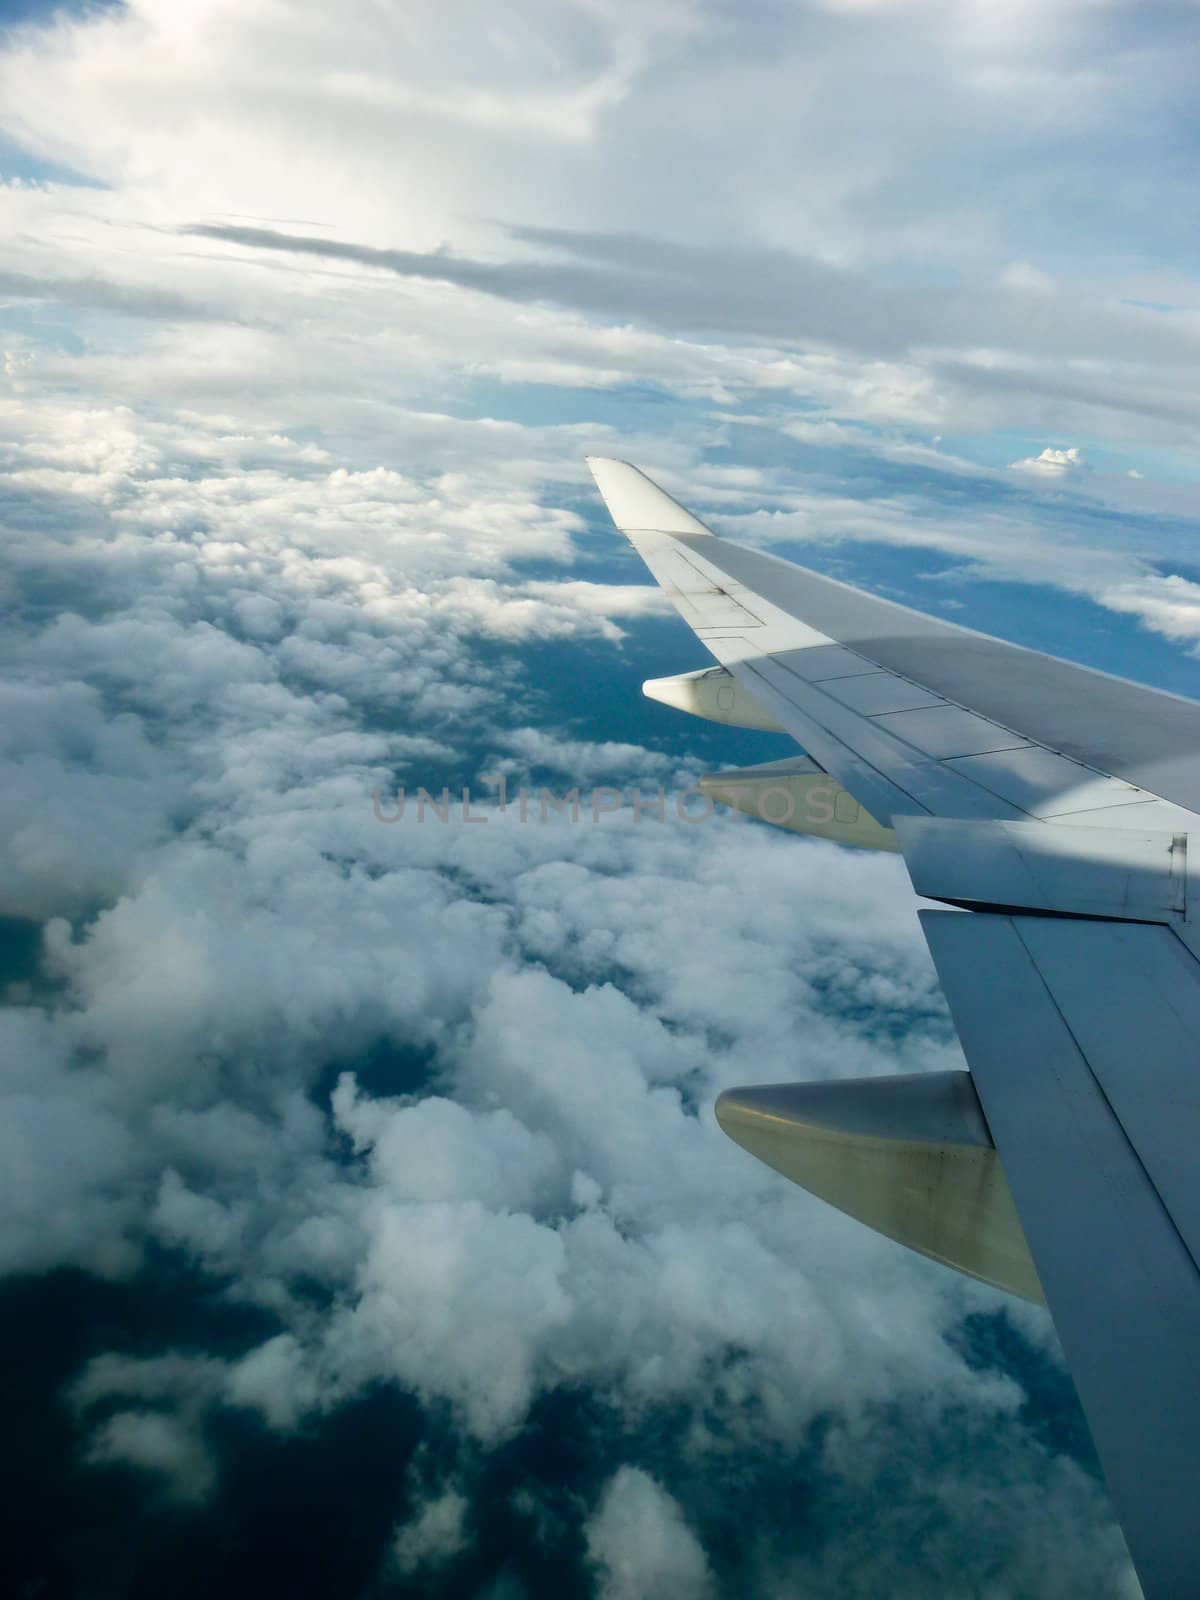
pixel 910 1156
pixel 715 693
pixel 800 795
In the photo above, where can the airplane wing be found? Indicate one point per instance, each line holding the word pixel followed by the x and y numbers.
pixel 1055 805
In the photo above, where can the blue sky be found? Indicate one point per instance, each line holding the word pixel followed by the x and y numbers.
pixel 366 1227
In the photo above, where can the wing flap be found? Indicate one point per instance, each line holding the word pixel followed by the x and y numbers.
pixel 1077 872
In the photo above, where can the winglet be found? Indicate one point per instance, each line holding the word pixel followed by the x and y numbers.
pixel 638 505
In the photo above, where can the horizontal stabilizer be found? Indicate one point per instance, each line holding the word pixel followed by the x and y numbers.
pixel 911 1156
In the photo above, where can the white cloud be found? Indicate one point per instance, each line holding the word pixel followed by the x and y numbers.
pixel 606 599
pixel 433 1536
pixel 85 794
pixel 159 1444
pixel 70 1169
pixel 642 1546
pixel 152 1378
pixel 372 88
pixel 437 1150
pixel 454 1301
pixel 164 1438
pixel 583 761
pixel 274 1380
pixel 1169 604
pixel 1053 462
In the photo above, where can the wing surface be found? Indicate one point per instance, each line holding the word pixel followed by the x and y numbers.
pixel 1060 807
pixel 913 715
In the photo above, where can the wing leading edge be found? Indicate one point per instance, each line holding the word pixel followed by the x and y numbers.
pixel 1058 806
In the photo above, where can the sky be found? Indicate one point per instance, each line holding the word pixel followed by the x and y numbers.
pixel 365 1229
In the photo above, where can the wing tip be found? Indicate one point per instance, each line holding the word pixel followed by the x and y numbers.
pixel 635 502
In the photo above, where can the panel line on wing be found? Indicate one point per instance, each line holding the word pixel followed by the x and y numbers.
pixel 907 768
pixel 1152 988
pixel 1020 923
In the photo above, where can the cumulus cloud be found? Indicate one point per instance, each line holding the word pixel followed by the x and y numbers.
pixel 642 1545
pixel 85 794
pixel 1169 604
pixel 274 1380
pixel 71 1168
pixel 433 1536
pixel 585 760
pixel 158 1444
pixel 163 1436
pixel 1053 462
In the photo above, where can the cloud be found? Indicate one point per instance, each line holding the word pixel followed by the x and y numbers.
pixel 274 1380
pixel 549 128
pixel 85 794
pixel 163 1438
pixel 606 599
pixel 436 1150
pixel 862 1470
pixel 641 1544
pixel 453 1302
pixel 664 285
pixel 436 1534
pixel 155 1443
pixel 379 84
pixel 583 761
pixel 797 299
pixel 1169 604
pixel 1054 463
pixel 100 294
pixel 71 1167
